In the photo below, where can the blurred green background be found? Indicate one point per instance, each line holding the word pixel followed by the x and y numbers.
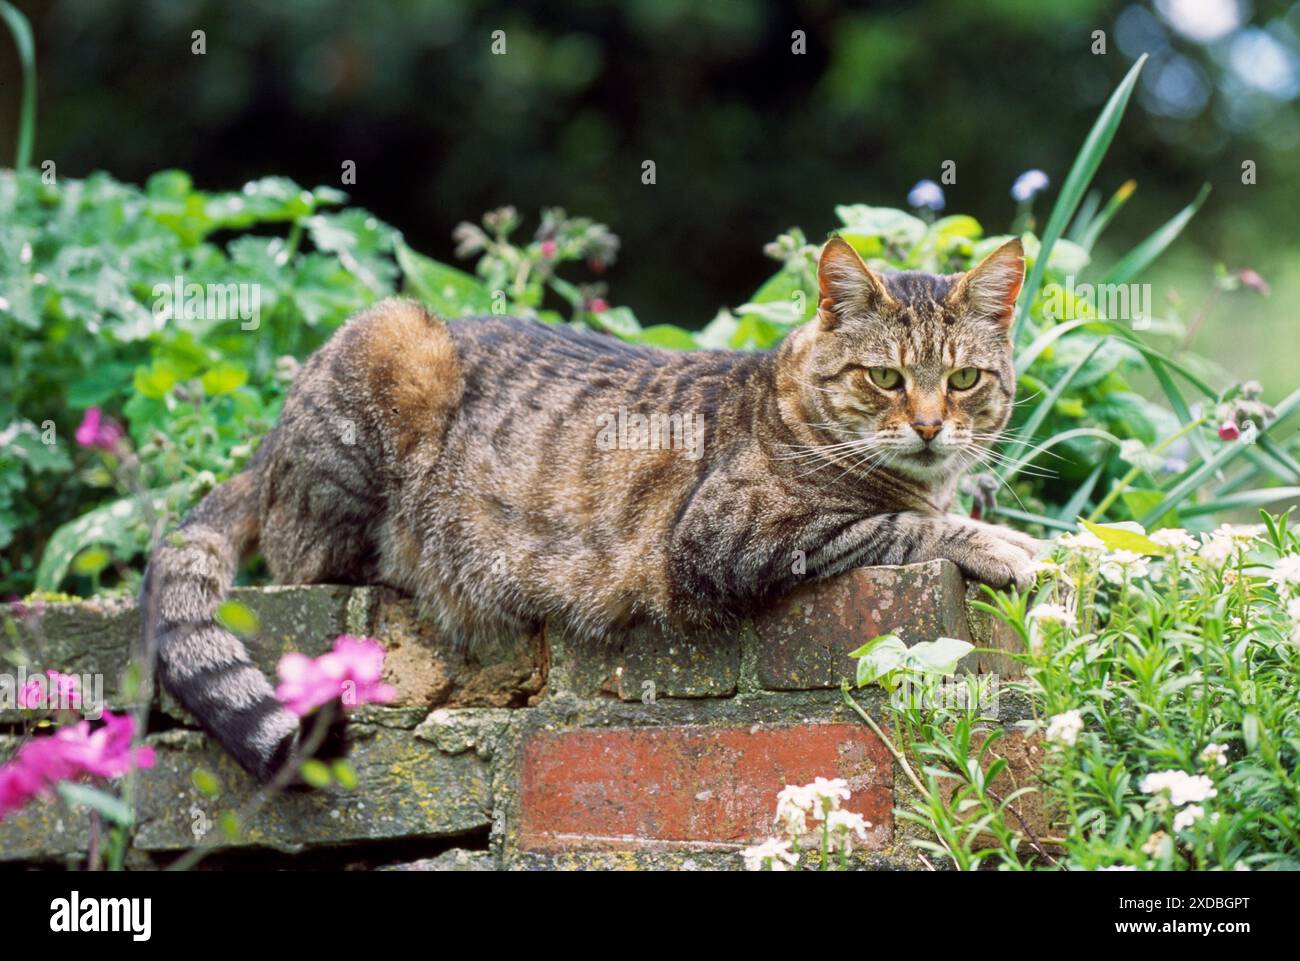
pixel 748 137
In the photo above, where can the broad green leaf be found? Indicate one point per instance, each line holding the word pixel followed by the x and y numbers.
pixel 107 805
pixel 450 292
pixel 1122 539
pixel 224 378
pixel 939 656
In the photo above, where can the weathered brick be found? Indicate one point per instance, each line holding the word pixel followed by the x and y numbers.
pixel 407 789
pixel 428 670
pixel 99 636
pixel 646 664
pixel 692 786
pixel 1024 756
pixel 804 640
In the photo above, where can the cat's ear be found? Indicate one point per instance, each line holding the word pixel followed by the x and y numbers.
pixel 846 284
pixel 990 288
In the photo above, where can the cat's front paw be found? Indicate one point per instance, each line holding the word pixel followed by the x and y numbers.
pixel 1000 563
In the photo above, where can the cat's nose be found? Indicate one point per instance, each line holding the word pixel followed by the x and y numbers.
pixel 927 429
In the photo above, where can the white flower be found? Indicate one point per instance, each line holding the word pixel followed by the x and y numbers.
pixel 1120 867
pixel 843 825
pixel 1175 539
pixel 1216 550
pixel 1152 845
pixel 1188 816
pixel 1053 614
pixel 1215 754
pixel 1293 611
pixel 1085 542
pixel 1065 728
pixel 1119 565
pixel 792 804
pixel 773 854
pixel 1179 786
pixel 1286 575
pixel 828 794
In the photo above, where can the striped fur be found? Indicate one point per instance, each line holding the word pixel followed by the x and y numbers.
pixel 483 467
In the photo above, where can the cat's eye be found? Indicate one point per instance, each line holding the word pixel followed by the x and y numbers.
pixel 964 379
pixel 886 378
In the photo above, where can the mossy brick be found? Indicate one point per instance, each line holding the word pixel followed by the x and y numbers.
pixel 803 641
pixel 689 787
pixel 429 670
pixel 99 636
pixel 645 664
pixel 407 789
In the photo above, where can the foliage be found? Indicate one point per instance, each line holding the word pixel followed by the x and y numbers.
pixel 1163 685
pixel 185 313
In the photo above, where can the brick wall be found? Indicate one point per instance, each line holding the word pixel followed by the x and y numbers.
pixel 655 751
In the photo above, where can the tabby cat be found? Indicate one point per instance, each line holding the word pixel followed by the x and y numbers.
pixel 505 472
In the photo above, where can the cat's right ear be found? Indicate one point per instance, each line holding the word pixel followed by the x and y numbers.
pixel 846 284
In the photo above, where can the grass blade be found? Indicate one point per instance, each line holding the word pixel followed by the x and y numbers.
pixel 1041 412
pixel 1144 254
pixel 1103 219
pixel 1076 183
pixel 22 33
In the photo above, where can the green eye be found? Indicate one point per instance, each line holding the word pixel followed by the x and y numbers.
pixel 885 378
pixel 965 378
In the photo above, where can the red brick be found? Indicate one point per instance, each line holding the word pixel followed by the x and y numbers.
pixel 696 786
pixel 805 639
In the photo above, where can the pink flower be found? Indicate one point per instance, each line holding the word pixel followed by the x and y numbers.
pixel 598 305
pixel 350 672
pixel 105 752
pixel 72 752
pixel 1254 281
pixel 98 431
pixel 59 691
pixel 18 785
pixel 1228 430
pixel 549 247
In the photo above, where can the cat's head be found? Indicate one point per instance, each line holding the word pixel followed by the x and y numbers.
pixel 914 366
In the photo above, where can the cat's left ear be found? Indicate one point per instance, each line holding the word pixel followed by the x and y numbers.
pixel 990 288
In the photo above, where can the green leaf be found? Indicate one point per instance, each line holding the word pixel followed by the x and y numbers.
pixel 665 335
pixel 939 656
pixel 316 773
pixel 450 292
pixel 108 806
pixel 224 378
pixel 345 775
pixel 91 561
pixel 206 783
pixel 1121 539
pixel 886 654
pixel 1076 184
pixel 238 618
pixel 119 525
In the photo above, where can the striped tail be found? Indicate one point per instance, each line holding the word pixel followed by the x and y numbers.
pixel 202 664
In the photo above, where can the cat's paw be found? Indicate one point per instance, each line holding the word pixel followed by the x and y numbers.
pixel 1030 545
pixel 1001 563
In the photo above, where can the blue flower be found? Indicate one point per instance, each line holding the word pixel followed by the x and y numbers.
pixel 1027 184
pixel 927 195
